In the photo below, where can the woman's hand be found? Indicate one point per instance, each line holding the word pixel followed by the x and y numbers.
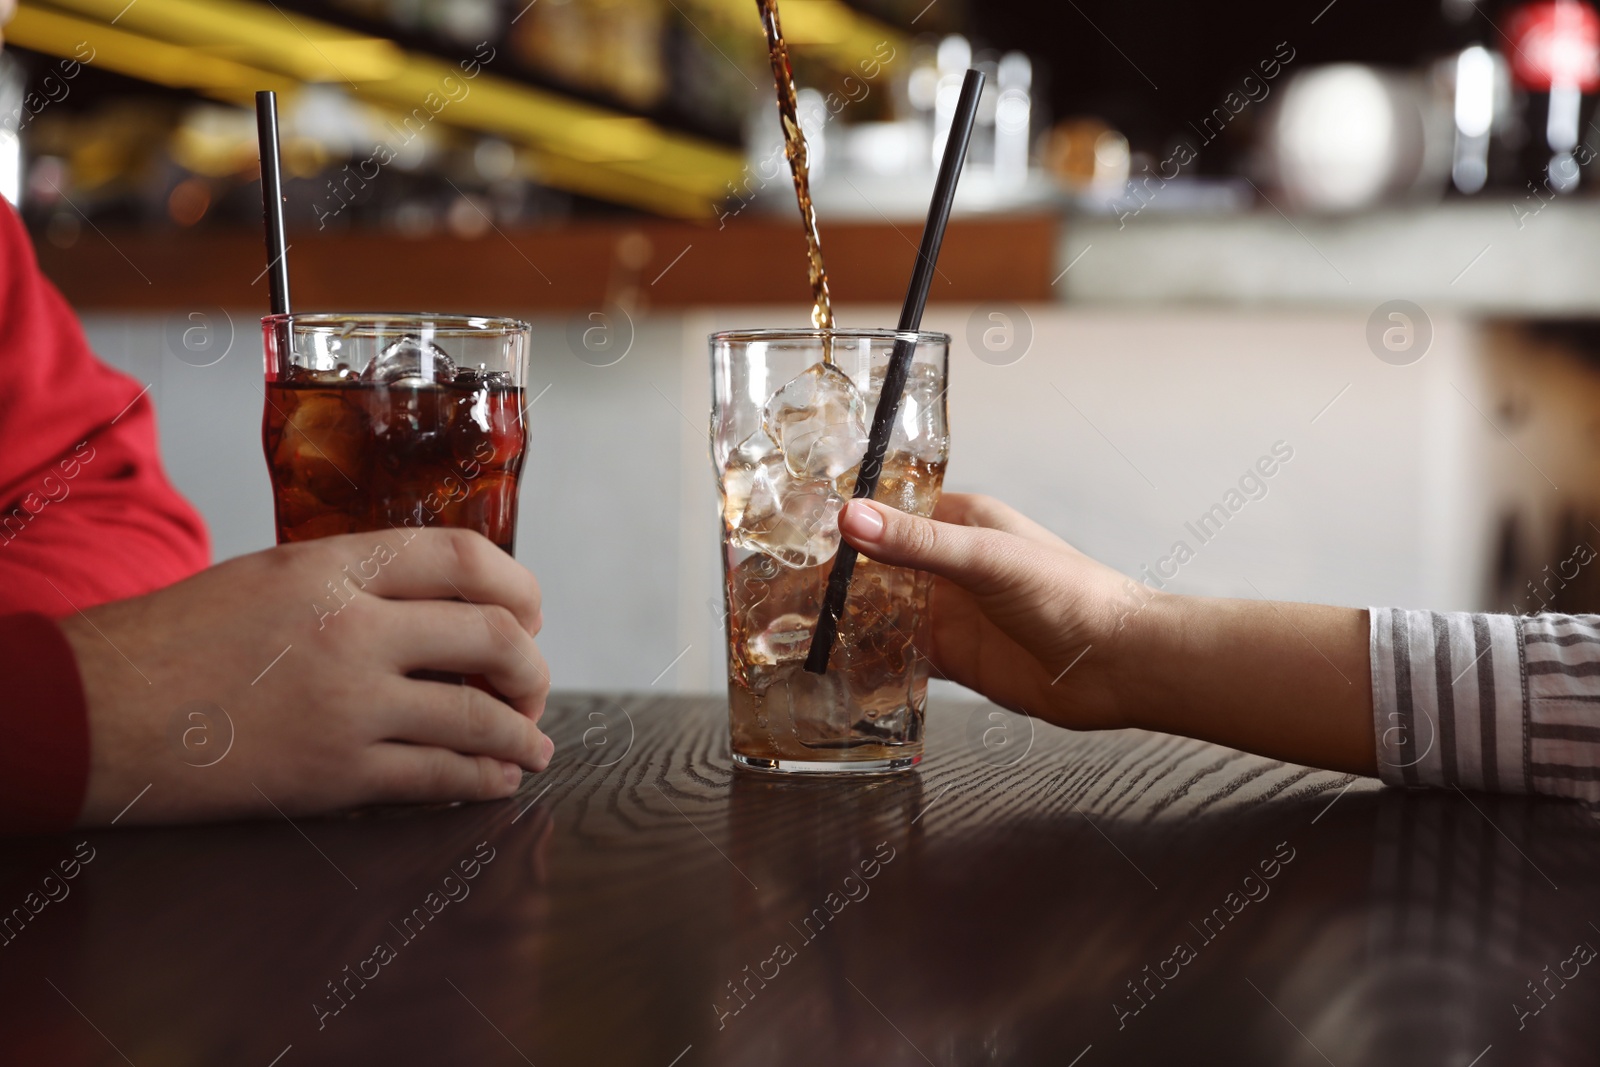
pixel 1018 614
pixel 277 682
pixel 1036 626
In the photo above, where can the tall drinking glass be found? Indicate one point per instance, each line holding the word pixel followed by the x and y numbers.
pixel 375 422
pixel 789 420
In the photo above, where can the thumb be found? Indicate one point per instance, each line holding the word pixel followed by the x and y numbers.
pixel 973 557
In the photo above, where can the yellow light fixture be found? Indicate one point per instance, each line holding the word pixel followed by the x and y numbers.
pixel 816 22
pixel 57 34
pixel 253 34
pixel 229 48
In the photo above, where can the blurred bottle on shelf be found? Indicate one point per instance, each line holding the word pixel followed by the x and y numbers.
pixel 1013 118
pixel 954 56
pixel 615 49
pixel 1478 77
pixel 1086 156
pixel 919 82
pixel 1475 84
pixel 876 135
pixel 1554 55
pixel 1345 137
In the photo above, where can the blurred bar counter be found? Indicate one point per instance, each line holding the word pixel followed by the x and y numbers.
pixel 757 260
pixel 1523 258
pixel 1505 259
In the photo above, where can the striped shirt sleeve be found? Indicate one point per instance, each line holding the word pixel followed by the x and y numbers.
pixel 1500 703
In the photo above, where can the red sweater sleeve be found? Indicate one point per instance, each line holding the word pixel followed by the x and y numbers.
pixel 86 512
pixel 86 516
pixel 44 730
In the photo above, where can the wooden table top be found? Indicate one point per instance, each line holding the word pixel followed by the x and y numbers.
pixel 1030 896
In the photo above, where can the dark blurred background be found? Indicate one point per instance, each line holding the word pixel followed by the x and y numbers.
pixel 141 118
pixel 1194 53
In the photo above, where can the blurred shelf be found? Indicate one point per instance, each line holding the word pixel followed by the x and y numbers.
pixel 1469 258
pixel 228 49
pixel 1495 257
pixel 576 267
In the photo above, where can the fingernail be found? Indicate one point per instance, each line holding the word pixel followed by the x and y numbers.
pixel 513 773
pixel 861 522
pixel 548 747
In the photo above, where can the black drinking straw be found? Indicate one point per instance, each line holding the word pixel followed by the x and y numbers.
pixel 894 379
pixel 272 200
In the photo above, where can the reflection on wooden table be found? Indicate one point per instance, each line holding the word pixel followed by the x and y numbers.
pixel 1030 896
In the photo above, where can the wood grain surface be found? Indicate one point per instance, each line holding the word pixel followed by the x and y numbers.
pixel 1029 896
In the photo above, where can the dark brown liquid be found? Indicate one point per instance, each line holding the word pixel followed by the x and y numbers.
pixel 349 456
pixel 870 704
pixel 794 147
